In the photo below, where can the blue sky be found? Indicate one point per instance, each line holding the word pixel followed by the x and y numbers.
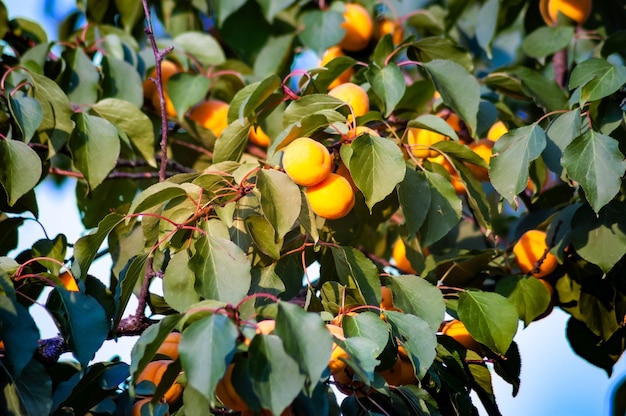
pixel 555 381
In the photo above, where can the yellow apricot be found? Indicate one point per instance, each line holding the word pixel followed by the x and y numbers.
pixel 333 198
pixel 531 247
pixel 576 10
pixel 330 54
pixel 388 26
pixel 306 161
pixel 354 96
pixel 456 329
pixel 497 130
pixel 398 254
pixel 259 137
pixel 68 281
pixel 455 179
pixel 482 148
pixel 420 141
pixel 212 115
pixel 335 364
pixel 359 28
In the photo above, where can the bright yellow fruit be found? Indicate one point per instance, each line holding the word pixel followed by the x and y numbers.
pixel 420 141
pixel 388 26
pixel 333 198
pixel 68 281
pixel 576 10
pixel 482 148
pixel 259 137
pixel 335 364
pixel 306 161
pixel 212 115
pixel 330 54
pixel 354 96
pixel 497 130
pixel 529 249
pixel 456 329
pixel 398 254
pixel 359 28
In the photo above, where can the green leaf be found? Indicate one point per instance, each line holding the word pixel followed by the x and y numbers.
pixel 156 195
pixel 232 142
pixel 321 29
pixel 434 123
pixel 595 161
pixel 80 78
pixel 414 197
pixel 458 88
pixel 131 274
pixel 417 296
pixel 376 165
pixel 82 321
pixel 305 338
pixel 435 47
pixel 148 343
pixel 488 18
pixel 598 79
pixel 121 81
pixel 417 337
pixel 512 154
pixel 57 124
pixel 19 333
pixel 206 348
pixel 95 147
pixel 490 318
pixel 30 394
pixel 528 294
pixel 132 121
pixel 272 7
pixel 27 113
pixel 545 92
pixel 186 90
pixel 178 282
pixel 276 378
pixel 614 43
pixel 444 211
pixel 263 235
pixel 560 133
pixel 352 266
pixel 280 200
pixel 224 8
pixel 259 95
pixel 202 46
pixel 388 83
pixel 20 169
pixel 368 325
pixel 307 105
pixel 221 268
pixel 86 248
pixel 600 237
pixel 51 249
pixel 546 40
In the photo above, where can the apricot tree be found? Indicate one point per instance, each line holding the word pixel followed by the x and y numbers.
pixel 395 277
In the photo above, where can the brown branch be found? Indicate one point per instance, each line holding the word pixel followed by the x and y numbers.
pixel 559 62
pixel 158 57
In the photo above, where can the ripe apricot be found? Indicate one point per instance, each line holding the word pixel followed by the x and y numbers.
pixel 333 198
pixel 342 170
pixel 398 254
pixel 169 347
pixel 170 111
pixel 335 364
pixel 402 373
pixel 482 148
pixel 68 281
pixel 420 141
pixel 154 372
pixel 306 161
pixel 136 411
pixel 259 137
pixel 529 249
pixel 357 131
pixel 212 115
pixel 168 68
pixel 576 10
pixel 330 54
pixel 354 96
pixel 387 26
pixel 497 130
pixel 226 393
pixel 456 329
pixel 359 28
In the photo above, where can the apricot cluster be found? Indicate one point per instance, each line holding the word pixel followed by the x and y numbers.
pixel 309 163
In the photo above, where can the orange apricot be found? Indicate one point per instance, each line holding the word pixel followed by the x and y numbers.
pixel 421 140
pixel 359 28
pixel 226 393
pixel 576 10
pixel 168 68
pixel 169 347
pixel 330 54
pixel 154 372
pixel 529 249
pixel 398 254
pixel 333 198
pixel 306 161
pixel 68 281
pixel 457 330
pixel 212 115
pixel 482 148
pixel 353 95
pixel 387 26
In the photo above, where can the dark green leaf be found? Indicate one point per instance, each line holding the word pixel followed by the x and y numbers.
pixel 458 88
pixel 595 161
pixel 488 18
pixel 131 274
pixel 156 195
pixel 490 318
pixel 414 197
pixel 19 333
pixel 417 296
pixel 30 394
pixel 560 133
pixel 263 235
pixel 512 154
pixel 121 81
pixel 354 269
pixel 444 211
pixel 528 294
pixel 272 7
pixel 27 113
pixel 322 29
pixel 20 169
pixel 546 40
pixel 417 337
pixel 206 348
pixel 202 46
pixel 186 90
pixel 388 83
pixel 81 78
pixel 87 247
pixel 232 142
pixel 598 79
pixel 280 200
